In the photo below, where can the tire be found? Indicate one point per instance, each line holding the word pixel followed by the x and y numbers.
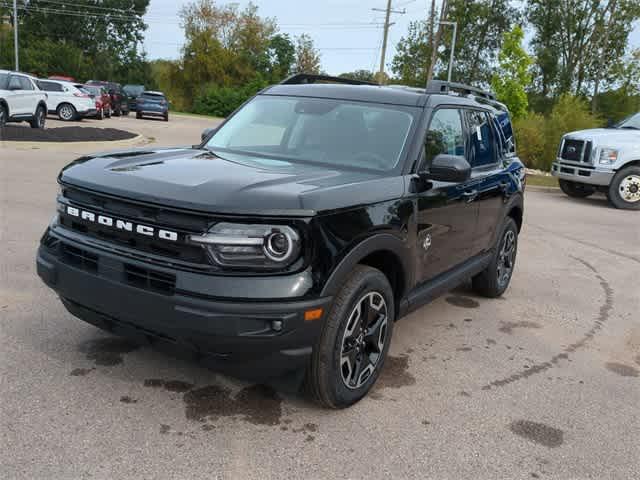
pixel 139 116
pixel 494 280
pixel 108 114
pixel 39 120
pixel 166 118
pixel 117 112
pixel 624 191
pixel 100 115
pixel 576 190
pixel 4 115
pixel 126 114
pixel 67 112
pixel 332 378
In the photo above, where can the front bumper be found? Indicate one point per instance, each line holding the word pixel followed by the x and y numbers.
pixel 582 173
pixel 153 113
pixel 249 338
pixel 92 112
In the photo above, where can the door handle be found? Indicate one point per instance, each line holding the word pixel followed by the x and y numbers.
pixel 469 195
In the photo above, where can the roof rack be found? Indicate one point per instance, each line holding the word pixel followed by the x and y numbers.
pixel 307 78
pixel 440 86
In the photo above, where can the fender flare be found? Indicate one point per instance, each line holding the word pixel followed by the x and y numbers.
pixel 379 242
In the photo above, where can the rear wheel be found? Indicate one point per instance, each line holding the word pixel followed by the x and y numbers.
pixel 39 119
pixel 67 112
pixel 101 114
pixel 494 280
pixel 624 191
pixel 354 342
pixel 576 190
pixel 4 115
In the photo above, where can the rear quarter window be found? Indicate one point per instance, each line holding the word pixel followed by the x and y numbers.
pixel 4 80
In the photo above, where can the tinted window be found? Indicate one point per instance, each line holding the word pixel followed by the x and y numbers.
pixel 331 132
pixel 153 97
pixel 25 83
pixel 50 86
pixel 482 141
pixel 14 82
pixel 445 134
pixel 4 80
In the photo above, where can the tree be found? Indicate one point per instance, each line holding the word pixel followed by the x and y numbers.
pixel 513 76
pixel 282 56
pixel 413 52
pixel 307 56
pixel 361 75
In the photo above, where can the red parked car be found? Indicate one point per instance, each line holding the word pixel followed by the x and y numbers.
pixel 102 98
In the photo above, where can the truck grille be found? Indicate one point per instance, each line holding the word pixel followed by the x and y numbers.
pixel 183 224
pixel 576 150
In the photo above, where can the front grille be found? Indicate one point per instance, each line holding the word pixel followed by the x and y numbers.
pixel 149 279
pixel 183 224
pixel 78 257
pixel 576 150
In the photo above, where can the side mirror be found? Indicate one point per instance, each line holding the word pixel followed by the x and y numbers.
pixel 208 133
pixel 449 168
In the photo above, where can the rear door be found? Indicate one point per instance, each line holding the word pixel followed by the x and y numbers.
pixel 489 177
pixel 446 212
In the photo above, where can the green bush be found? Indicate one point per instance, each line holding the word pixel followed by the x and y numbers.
pixel 538 137
pixel 221 101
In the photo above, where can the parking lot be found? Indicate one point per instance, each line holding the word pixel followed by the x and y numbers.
pixel 543 383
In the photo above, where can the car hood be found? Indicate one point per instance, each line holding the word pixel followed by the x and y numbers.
pixel 607 136
pixel 200 180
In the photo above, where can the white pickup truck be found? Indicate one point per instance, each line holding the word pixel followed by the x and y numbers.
pixel 602 159
pixel 21 100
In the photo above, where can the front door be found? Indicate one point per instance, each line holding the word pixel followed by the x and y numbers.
pixel 446 213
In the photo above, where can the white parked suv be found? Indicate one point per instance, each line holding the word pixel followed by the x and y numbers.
pixel 68 100
pixel 602 159
pixel 21 100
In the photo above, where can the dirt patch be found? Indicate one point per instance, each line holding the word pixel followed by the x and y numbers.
pixel 108 351
pixel 463 302
pixel 257 404
pixel 64 134
pixel 538 433
pixel 622 369
pixel 395 373
pixel 508 327
pixel 170 385
pixel 81 372
pixel 128 399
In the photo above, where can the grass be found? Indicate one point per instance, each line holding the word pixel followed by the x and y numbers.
pixel 542 181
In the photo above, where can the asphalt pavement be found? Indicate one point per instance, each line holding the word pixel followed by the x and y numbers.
pixel 542 383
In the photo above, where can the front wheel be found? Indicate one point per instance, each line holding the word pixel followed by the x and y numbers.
pixel 39 119
pixel 354 342
pixel 624 191
pixel 67 112
pixel 494 280
pixel 576 190
pixel 3 116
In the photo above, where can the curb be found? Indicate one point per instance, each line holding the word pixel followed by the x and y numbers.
pixel 32 145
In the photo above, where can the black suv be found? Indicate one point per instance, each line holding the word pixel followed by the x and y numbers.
pixel 295 235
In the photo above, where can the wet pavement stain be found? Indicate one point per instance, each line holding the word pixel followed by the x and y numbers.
pixel 395 373
pixel 108 352
pixel 81 372
pixel 603 316
pixel 491 341
pixel 170 385
pixel 128 399
pixel 622 369
pixel 538 433
pixel 508 327
pixel 468 319
pixel 464 349
pixel 164 429
pixel 463 302
pixel 257 404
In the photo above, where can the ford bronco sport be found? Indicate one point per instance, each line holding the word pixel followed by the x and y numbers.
pixel 296 234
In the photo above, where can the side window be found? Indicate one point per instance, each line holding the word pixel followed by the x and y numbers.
pixel 14 83
pixel 482 143
pixel 25 83
pixel 49 86
pixel 445 134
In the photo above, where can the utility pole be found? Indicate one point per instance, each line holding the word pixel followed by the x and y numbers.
pixel 436 43
pixel 15 33
pixel 388 11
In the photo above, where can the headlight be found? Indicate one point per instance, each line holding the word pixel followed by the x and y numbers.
pixel 251 246
pixel 608 156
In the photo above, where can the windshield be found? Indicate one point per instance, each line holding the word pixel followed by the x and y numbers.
pixel 133 90
pixel 632 122
pixel 332 132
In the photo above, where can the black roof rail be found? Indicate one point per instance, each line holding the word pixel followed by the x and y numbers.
pixel 440 86
pixel 307 78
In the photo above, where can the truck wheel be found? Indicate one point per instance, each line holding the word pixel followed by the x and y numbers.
pixel 354 342
pixel 624 191
pixel 494 280
pixel 39 119
pixel 3 116
pixel 67 112
pixel 576 190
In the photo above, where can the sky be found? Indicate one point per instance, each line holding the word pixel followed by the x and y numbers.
pixel 348 33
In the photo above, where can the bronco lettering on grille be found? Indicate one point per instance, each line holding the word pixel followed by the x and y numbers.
pixel 121 225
